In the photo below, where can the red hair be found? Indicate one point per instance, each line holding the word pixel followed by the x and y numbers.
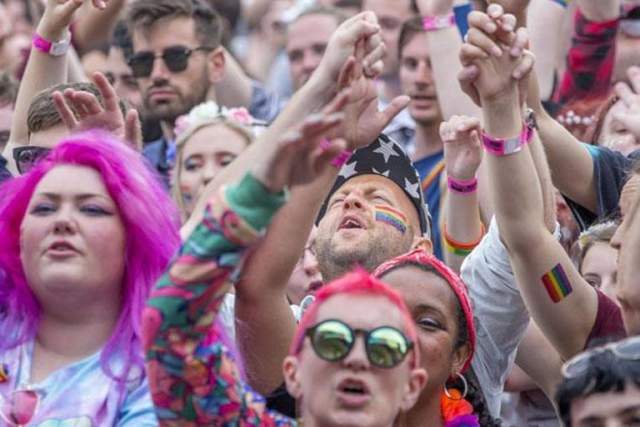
pixel 358 282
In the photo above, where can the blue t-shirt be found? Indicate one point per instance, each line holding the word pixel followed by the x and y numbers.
pixel 432 197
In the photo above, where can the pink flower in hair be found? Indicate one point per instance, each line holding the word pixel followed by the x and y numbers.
pixel 182 124
pixel 240 115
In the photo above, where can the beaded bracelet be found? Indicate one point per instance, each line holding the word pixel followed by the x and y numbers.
pixel 461 249
pixel 462 186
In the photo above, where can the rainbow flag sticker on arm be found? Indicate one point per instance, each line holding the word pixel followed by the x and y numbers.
pixel 557 284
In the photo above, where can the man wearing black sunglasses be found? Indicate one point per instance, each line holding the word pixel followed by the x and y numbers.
pixel 179 63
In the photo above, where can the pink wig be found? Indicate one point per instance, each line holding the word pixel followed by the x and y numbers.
pixel 357 283
pixel 151 224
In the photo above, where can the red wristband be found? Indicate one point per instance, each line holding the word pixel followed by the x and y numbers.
pixel 438 22
pixel 462 186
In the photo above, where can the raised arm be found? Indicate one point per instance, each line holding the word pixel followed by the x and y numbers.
pixel 462 156
pixel 444 45
pixel 569 161
pixel 313 96
pixel 561 302
pixel 264 321
pixel 192 374
pixel 42 71
pixel 261 298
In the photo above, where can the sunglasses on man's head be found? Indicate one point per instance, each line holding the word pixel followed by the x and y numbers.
pixel 333 340
pixel 176 58
pixel 27 157
pixel 628 349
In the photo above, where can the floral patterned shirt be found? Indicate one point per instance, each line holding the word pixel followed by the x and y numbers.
pixel 193 377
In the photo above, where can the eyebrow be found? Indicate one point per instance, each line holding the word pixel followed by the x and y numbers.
pixel 81 196
pixel 430 308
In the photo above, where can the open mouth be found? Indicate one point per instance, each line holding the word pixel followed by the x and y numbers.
pixel 351 223
pixel 61 248
pixel 353 393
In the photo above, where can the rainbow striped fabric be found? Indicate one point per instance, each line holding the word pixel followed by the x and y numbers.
pixel 557 284
pixel 392 217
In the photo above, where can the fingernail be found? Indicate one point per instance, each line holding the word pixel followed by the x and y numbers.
pixel 496 51
pixel 491 27
pixel 515 51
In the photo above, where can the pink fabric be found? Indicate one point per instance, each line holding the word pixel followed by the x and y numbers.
pixel 419 256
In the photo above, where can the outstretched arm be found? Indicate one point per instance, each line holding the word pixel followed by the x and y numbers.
pixel 191 373
pixel 312 97
pixel 561 302
pixel 462 156
pixel 43 70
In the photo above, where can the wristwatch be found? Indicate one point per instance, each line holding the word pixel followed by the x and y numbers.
pixel 58 48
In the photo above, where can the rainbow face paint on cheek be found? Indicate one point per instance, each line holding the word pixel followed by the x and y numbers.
pixel 392 217
pixel 557 284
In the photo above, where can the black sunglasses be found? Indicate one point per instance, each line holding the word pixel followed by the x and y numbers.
pixel 176 58
pixel 27 157
pixel 332 340
pixel 628 349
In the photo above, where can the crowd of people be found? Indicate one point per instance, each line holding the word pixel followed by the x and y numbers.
pixel 320 212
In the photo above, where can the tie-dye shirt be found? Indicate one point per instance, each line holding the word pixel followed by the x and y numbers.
pixel 193 376
pixel 78 395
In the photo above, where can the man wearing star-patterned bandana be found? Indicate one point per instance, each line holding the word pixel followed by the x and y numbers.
pixel 375 211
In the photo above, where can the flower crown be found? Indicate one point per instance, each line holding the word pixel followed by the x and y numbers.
pixel 209 111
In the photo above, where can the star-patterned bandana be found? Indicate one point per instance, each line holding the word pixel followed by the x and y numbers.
pixel 386 158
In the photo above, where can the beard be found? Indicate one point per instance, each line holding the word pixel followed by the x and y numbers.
pixel 168 111
pixel 335 260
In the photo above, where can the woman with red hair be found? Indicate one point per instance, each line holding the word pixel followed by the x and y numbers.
pixel 353 361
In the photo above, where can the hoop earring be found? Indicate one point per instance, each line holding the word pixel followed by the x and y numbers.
pixel 465 386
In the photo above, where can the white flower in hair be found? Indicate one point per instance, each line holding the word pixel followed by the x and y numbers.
pixel 198 114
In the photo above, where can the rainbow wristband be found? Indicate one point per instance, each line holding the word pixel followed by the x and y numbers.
pixel 461 249
pixel 462 186
pixel 438 22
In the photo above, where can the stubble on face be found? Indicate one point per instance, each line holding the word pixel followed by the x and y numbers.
pixel 336 259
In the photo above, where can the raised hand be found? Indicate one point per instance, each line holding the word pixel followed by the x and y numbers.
pixel 364 121
pixel 361 27
pixel 630 97
pixel 515 7
pixel 492 37
pixel 299 156
pixel 81 110
pixel 58 15
pixel 462 148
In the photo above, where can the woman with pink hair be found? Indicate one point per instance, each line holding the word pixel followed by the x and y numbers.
pixel 83 236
